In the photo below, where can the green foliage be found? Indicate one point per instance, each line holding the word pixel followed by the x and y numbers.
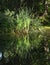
pixel 16 4
pixel 6 29
pixel 36 32
pixel 23 20
pixel 20 45
pixel 7 23
pixel 8 40
pixel 36 22
pixel 27 48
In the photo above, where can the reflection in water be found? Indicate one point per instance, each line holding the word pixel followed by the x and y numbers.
pixel 0 55
pixel 12 44
pixel 22 44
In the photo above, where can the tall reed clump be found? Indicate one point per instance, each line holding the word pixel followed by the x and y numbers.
pixel 23 20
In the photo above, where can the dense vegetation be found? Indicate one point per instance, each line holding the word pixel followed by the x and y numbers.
pixel 25 32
